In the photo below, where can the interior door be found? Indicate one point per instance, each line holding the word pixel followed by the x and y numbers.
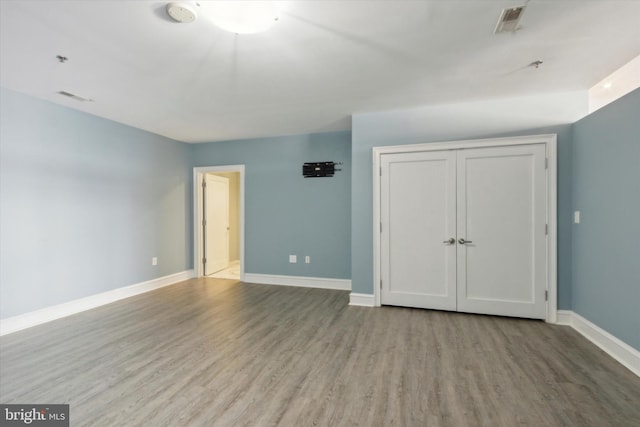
pixel 418 218
pixel 216 228
pixel 501 194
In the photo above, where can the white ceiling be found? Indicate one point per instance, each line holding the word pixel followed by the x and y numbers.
pixel 322 62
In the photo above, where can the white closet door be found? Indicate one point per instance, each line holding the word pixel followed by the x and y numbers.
pixel 418 215
pixel 501 196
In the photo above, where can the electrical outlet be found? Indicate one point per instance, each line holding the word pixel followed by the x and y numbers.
pixel 293 259
pixel 154 260
pixel 576 217
pixel 307 259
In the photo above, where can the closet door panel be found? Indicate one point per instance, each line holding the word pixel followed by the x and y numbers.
pixel 501 193
pixel 418 218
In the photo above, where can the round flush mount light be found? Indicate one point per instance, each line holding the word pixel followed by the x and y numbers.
pixel 241 17
pixel 181 12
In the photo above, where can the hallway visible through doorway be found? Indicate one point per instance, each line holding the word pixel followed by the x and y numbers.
pixel 220 228
pixel 232 272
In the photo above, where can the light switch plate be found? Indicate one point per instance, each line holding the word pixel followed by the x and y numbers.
pixel 576 217
pixel 293 259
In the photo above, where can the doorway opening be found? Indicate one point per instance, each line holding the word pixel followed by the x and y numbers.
pixel 219 222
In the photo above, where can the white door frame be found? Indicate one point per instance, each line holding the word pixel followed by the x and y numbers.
pixel 198 239
pixel 550 141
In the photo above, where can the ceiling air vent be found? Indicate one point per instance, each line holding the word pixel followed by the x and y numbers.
pixel 73 96
pixel 509 19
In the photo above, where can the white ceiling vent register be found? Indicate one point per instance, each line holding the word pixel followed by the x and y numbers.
pixel 509 19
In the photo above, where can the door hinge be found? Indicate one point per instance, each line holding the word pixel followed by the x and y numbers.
pixel 546 295
pixel 204 260
pixel 380 170
pixel 381 227
pixel 204 222
pixel 380 283
pixel 546 229
pixel 204 184
pixel 546 163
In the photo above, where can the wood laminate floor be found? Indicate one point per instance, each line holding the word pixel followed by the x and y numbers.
pixel 210 352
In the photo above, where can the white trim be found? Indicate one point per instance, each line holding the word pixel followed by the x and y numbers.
pixel 563 317
pixel 550 140
pixel 552 221
pixel 364 300
pixel 197 214
pixel 467 143
pixel 628 356
pixel 377 224
pixel 47 314
pixel 300 281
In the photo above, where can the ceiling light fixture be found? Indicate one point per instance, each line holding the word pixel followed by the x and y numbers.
pixel 241 17
pixel 181 12
pixel 607 85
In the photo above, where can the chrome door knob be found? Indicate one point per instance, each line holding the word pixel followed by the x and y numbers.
pixel 451 241
pixel 462 241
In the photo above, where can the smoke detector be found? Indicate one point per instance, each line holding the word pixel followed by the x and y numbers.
pixel 181 12
pixel 509 20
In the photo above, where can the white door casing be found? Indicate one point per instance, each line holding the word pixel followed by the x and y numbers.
pixel 545 248
pixel 198 236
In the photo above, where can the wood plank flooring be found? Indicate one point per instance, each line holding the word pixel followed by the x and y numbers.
pixel 210 352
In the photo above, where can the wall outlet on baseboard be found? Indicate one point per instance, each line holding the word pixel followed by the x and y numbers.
pixel 293 259
pixel 154 260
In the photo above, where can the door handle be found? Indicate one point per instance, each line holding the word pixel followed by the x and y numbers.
pixel 451 241
pixel 462 241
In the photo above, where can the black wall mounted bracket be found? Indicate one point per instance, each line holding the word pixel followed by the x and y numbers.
pixel 319 169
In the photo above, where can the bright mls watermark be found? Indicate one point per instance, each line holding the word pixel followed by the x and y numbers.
pixel 53 415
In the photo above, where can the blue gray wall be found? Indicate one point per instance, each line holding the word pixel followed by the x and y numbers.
pixel 606 243
pixel 85 204
pixel 367 134
pixel 286 213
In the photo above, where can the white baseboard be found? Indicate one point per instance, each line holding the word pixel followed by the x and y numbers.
pixel 300 281
pixel 365 300
pixel 619 350
pixel 564 317
pixel 47 314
